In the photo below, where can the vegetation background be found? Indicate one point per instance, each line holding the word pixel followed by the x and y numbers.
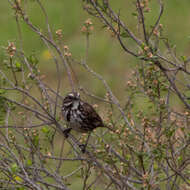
pixel 105 55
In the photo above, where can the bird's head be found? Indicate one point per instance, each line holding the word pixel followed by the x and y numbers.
pixel 72 98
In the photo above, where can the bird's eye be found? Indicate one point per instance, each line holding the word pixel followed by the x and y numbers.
pixel 74 95
pixel 71 95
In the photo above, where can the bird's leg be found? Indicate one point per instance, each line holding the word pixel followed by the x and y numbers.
pixel 83 146
pixel 66 132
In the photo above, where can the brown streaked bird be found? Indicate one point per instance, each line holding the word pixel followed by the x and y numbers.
pixel 80 116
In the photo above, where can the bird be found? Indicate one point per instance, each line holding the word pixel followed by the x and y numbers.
pixel 80 116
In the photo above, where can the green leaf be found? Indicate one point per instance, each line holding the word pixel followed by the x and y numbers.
pixel 154 57
pixel 142 46
pixel 141 57
pixel 179 158
pixel 170 132
pixel 45 129
pixel 128 157
pixel 156 166
pixel 17 178
pixel 33 60
pixel 124 35
pixel 36 140
pixel 18 66
pixel 2 91
pixel 14 168
pixel 134 14
pixel 184 58
pixel 29 162
pixel 20 188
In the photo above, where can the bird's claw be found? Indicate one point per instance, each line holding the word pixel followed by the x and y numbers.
pixel 83 148
pixel 66 132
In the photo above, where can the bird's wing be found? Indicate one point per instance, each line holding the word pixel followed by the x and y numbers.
pixel 92 119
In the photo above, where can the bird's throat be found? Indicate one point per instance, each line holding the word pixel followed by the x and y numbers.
pixel 75 105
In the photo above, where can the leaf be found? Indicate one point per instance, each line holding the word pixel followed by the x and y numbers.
pixel 124 35
pixel 20 188
pixel 29 162
pixel 45 130
pixel 17 178
pixel 134 14
pixel 128 157
pixel 184 58
pixel 14 168
pixel 170 132
pixel 141 57
pixel 32 59
pixel 142 46
pixel 18 66
pixel 154 57
pixel 156 166
pixel 2 91
pixel 36 140
pixel 180 158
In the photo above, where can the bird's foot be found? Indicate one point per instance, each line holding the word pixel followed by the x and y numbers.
pixel 66 132
pixel 83 148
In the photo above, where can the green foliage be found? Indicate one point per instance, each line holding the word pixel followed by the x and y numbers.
pixel 3 107
pixel 29 162
pixel 48 132
pixel 148 132
pixel 32 59
pixel 124 35
pixel 18 66
pixel 14 168
pixel 35 138
pixel 20 188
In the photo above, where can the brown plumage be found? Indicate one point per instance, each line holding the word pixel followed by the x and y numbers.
pixel 80 115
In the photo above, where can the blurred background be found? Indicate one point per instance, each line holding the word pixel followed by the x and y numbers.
pixel 105 54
